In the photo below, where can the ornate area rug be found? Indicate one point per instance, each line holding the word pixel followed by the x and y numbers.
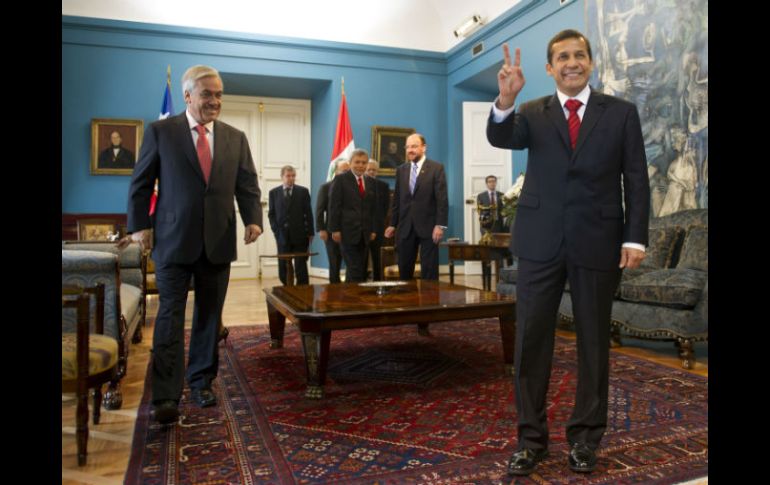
pixel 401 408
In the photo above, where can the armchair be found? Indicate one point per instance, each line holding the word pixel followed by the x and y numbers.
pixel 122 304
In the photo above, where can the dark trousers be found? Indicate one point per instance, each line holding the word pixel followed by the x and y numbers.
pixel 374 251
pixel 210 285
pixel 538 292
pixel 355 256
pixel 300 264
pixel 407 257
pixel 335 259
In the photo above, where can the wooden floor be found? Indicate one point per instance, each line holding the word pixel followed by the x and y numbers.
pixel 109 442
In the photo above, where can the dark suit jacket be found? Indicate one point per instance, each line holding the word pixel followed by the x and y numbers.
pixel 124 158
pixel 576 197
pixel 350 213
pixel 483 199
pixel 293 223
pixel 191 215
pixel 427 208
pixel 383 202
pixel 322 206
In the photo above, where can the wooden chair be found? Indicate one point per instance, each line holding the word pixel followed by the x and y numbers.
pixel 89 360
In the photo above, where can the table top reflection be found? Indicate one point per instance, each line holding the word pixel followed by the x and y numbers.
pixel 351 298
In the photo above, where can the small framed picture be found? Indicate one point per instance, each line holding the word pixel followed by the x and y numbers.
pixel 114 145
pixel 97 230
pixel 389 147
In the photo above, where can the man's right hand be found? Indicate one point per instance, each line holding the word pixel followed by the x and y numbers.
pixel 510 79
pixel 389 231
pixel 143 237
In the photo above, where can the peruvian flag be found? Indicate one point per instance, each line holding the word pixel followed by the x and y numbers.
pixel 343 139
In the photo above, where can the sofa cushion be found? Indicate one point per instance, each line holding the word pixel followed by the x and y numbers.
pixel 660 248
pixel 675 288
pixel 695 249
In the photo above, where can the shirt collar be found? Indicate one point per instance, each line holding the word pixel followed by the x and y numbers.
pixel 191 121
pixel 582 96
pixel 420 161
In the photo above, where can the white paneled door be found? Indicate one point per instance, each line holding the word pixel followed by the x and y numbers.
pixel 279 134
pixel 479 160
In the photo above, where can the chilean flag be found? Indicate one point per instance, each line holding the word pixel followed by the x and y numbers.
pixel 166 110
pixel 343 139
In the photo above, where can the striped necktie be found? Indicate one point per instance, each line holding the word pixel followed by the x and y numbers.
pixel 573 105
pixel 413 178
pixel 204 152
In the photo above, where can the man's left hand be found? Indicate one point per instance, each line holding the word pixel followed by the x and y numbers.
pixel 631 258
pixel 438 233
pixel 253 231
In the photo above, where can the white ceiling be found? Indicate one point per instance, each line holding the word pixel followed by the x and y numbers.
pixel 410 24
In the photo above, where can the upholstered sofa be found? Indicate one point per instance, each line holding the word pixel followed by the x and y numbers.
pixel 87 264
pixel 667 297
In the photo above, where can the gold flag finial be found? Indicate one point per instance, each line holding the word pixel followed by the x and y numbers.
pixel 343 85
pixel 168 75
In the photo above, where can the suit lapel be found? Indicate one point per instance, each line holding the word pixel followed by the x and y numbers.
pixel 594 111
pixel 188 146
pixel 555 113
pixel 420 175
pixel 221 142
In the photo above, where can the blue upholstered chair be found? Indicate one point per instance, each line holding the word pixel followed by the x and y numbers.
pixel 122 304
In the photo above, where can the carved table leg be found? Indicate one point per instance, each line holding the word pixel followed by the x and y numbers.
pixel 277 325
pixel 113 398
pixel 316 347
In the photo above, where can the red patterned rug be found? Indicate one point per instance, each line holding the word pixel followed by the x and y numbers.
pixel 401 408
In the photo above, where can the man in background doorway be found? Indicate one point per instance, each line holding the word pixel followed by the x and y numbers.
pixel 490 197
pixel 291 219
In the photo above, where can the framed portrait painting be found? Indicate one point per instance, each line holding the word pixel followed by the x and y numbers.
pixel 389 147
pixel 114 145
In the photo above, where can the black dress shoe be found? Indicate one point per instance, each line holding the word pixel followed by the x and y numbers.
pixel 523 461
pixel 165 412
pixel 203 397
pixel 582 459
pixel 223 333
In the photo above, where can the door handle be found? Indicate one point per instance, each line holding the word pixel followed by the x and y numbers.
pixel 470 201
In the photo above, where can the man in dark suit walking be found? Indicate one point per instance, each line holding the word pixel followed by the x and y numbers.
pixel 322 220
pixel 291 219
pixel 202 165
pixel 582 217
pixel 420 210
pixel 352 213
pixel 493 196
pixel 382 190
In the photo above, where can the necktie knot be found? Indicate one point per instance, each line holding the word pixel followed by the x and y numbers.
pixel 573 105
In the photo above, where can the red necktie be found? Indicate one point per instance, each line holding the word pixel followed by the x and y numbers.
pixel 573 105
pixel 492 198
pixel 204 152
pixel 361 186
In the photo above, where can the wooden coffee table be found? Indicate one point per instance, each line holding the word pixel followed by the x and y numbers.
pixel 319 309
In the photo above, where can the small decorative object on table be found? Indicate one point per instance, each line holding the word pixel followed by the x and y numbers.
pixel 382 286
pixel 511 201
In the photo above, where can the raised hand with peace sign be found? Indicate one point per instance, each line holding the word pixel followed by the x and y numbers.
pixel 510 78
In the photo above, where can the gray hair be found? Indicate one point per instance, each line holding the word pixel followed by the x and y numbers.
pixel 193 74
pixel 358 152
pixel 375 162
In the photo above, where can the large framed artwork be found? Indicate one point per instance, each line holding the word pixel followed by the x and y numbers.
pixel 389 147
pixel 654 53
pixel 114 145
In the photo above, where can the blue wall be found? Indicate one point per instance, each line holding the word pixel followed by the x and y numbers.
pixel 116 69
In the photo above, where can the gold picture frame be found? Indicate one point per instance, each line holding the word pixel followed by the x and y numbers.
pixel 389 147
pixel 105 158
pixel 97 230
